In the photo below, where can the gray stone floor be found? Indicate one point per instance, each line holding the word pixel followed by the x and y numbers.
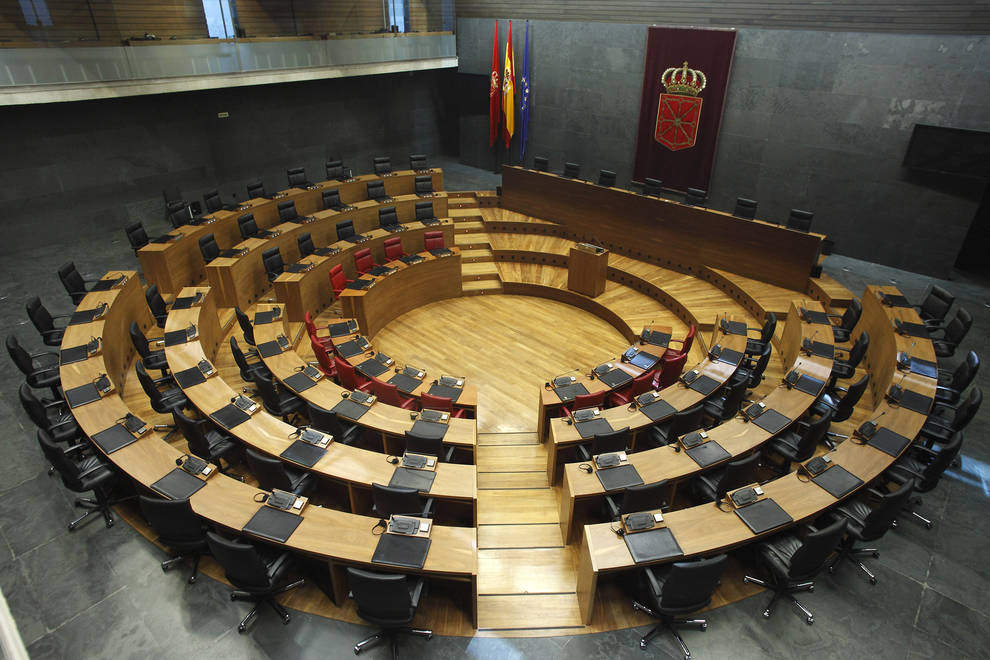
pixel 100 593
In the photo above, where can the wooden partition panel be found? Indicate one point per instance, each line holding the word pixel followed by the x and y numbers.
pixel 684 238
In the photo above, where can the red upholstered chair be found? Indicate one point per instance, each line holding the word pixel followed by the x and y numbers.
pixel 640 384
pixel 363 261
pixel 388 393
pixel 324 359
pixel 314 332
pixel 338 280
pixel 348 377
pixel 433 240
pixel 441 403
pixel 670 369
pixel 685 343
pixel 584 401
pixel 393 248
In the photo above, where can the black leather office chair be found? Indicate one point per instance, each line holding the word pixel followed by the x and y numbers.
pixel 305 243
pixel 278 401
pixel 755 346
pixel 753 369
pixel 572 170
pixel 606 178
pixel 652 187
pixel 846 368
pixel 389 601
pixel 798 442
pixel 331 200
pixel 382 165
pixel 725 404
pixel 173 199
pixel 684 421
pixel 423 185
pixel 868 520
pixel 791 562
pixel 745 208
pixel 296 177
pixel 330 422
pixel 800 220
pixel 258 575
pixel 425 213
pixel 842 333
pixel 73 282
pixel 247 329
pixel 926 466
pixel 207 441
pixel 208 247
pixel 40 370
pixel 946 420
pixel 345 230
pixel 678 589
pixel 605 443
pixel 256 189
pixel 180 217
pixel 394 500
pixel 272 473
pixel 136 235
pixel 935 307
pixel 44 322
pixel 945 339
pixel 695 197
pixel 212 202
pixel 541 164
pixel 248 370
pixel 712 486
pixel 164 401
pixel 644 497
pixel 178 528
pixel 287 211
pixel 156 304
pixel 272 261
pixel 52 416
pixel 951 384
pixel 248 226
pixel 376 190
pixel 151 359
pixel 388 219
pixel 82 472
pixel 841 407
pixel 336 170
pixel 430 446
pixel 417 162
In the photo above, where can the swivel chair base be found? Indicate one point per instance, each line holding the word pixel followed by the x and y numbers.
pixel 669 623
pixel 853 555
pixel 390 634
pixel 258 599
pixel 99 505
pixel 916 501
pixel 784 591
pixel 169 563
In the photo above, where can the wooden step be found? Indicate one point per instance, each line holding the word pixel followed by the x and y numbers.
pixel 528 612
pixel 534 505
pixel 511 458
pixel 460 215
pixel 476 255
pixel 462 203
pixel 481 287
pixel 526 571
pixel 543 535
pixel 491 439
pixel 468 227
pixel 472 241
pixel 512 480
pixel 479 270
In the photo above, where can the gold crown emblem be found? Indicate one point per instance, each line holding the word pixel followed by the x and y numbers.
pixel 682 80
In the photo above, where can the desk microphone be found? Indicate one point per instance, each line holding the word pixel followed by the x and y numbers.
pixel 904 361
pixel 896 392
pixel 808 344
pixel 867 429
pixel 549 384
pixel 645 330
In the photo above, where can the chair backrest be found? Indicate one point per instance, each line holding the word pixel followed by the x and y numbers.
pixel 305 243
pixel 242 563
pixel 287 211
pixel 817 547
pixel 323 358
pixel 139 340
pixel 155 303
pixel 604 443
pixel 346 374
pixel 811 433
pixel 858 350
pixel 745 208
pixel 335 169
pixel 386 392
pixel 247 225
pixel 179 217
pixel 769 327
pixel 695 197
pixel 20 356
pixel 936 304
pixel 387 217
pixel 422 445
pixel 256 189
pixel 325 420
pixel 72 281
pixel 193 431
pixel 270 472
pixel 272 260
pixel 338 280
pixel 331 199
pixel 376 190
pixel 673 365
pixel 735 392
pixel 644 497
pixel 941 462
pixel 433 402
pixel 245 324
pixel 423 185
pixel 541 164
pixel 572 170
pixel 606 178
pixel 737 474
pixel 688 341
pixel 433 240
pixel 363 260
pixel 883 514
pixel 642 383
pixel 269 395
pixel 690 584
pixel 800 220
pixel 148 385
pixel 136 235
pixel 173 520
pixel 686 421
pixel 208 247
pixel 241 361
pixel 967 409
pixel 345 229
pixel 847 404
pixel 966 371
pixel 212 201
pixel 424 211
pixel 418 162
pixel 958 327
pixel 396 500
pixel 39 315
pixel 652 187
pixel 382 165
pixel 381 598
pixel 310 325
pixel 296 177
pixel 33 407
pixel 589 400
pixel 68 470
pixel 850 317
pixel 761 365
pixel 393 248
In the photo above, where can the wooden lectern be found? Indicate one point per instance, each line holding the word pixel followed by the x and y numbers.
pixel 587 269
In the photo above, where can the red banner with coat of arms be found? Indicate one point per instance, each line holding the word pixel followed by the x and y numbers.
pixel 684 84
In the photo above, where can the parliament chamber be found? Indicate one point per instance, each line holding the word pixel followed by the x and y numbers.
pixel 511 411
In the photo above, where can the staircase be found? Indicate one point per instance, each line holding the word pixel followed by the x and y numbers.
pixel 479 275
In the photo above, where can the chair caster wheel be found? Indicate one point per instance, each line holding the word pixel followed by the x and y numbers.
pixel 642 644
pixel 429 637
pixel 766 614
pixel 928 525
pixel 831 570
pixel 285 620
pixel 241 628
pixel 811 589
pixel 192 580
pixel 876 555
pixel 810 620
pixel 72 527
pixel 232 597
pixel 873 580
pixel 746 580
pixel 704 627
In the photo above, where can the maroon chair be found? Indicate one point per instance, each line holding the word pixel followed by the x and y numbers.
pixel 348 377
pixel 584 401
pixel 640 385
pixel 313 332
pixel 433 240
pixel 685 343
pixel 670 369
pixel 324 359
pixel 393 249
pixel 442 403
pixel 363 262
pixel 338 280
pixel 388 393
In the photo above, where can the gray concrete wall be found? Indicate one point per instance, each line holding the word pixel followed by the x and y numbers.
pixel 813 120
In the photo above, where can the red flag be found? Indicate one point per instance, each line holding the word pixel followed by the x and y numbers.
pixel 494 93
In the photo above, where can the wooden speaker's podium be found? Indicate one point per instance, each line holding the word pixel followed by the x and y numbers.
pixel 587 269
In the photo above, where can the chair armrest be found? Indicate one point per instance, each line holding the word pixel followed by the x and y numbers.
pixel 613 508
pixel 417 591
pixel 277 565
pixel 928 451
pixel 427 511
pixel 71 420
pixel 53 403
pixel 938 423
pixel 654 584
pixel 35 356
pixel 874 492
pixel 703 478
pixel 71 449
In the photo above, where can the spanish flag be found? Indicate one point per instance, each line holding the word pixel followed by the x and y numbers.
pixel 508 92
pixel 493 93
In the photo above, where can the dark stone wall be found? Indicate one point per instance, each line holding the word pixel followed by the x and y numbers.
pixel 814 120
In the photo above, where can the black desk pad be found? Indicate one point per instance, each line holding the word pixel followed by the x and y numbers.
pixel 644 360
pixel 838 481
pixel 85 315
pixel 441 252
pixel 654 338
pixel 326 251
pixel 924 368
pixel 772 421
pixel 300 267
pixel 658 410
pixel 299 382
pixel 411 258
pixel 705 385
pixel 911 329
pixel 229 416
pixel 399 550
pixel 820 349
pixel 378 271
pixel 889 442
pixel 421 480
pixel 107 284
pixel 343 328
pixel 733 327
pixel 263 318
pixel 593 427
pixel 360 285
pixel 185 302
pixel 763 516
pixel 178 485
pixel 653 545
pixel 350 410
pixel 273 524
pixel 74 354
pixel 176 337
pixel 619 477
pixel 303 453
pixel 164 238
pixel 189 377
pixel 349 349
pixel 356 238
pixel 80 396
pixel 114 438
pixel 233 254
pixel 406 384
pixel 567 393
pixel 894 300
pixel 912 400
pixel 812 316
pixel 729 356
pixel 371 368
pixel 615 378
pixel 809 385
pixel 452 393
pixel 428 429
pixel 269 349
pixel 708 453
